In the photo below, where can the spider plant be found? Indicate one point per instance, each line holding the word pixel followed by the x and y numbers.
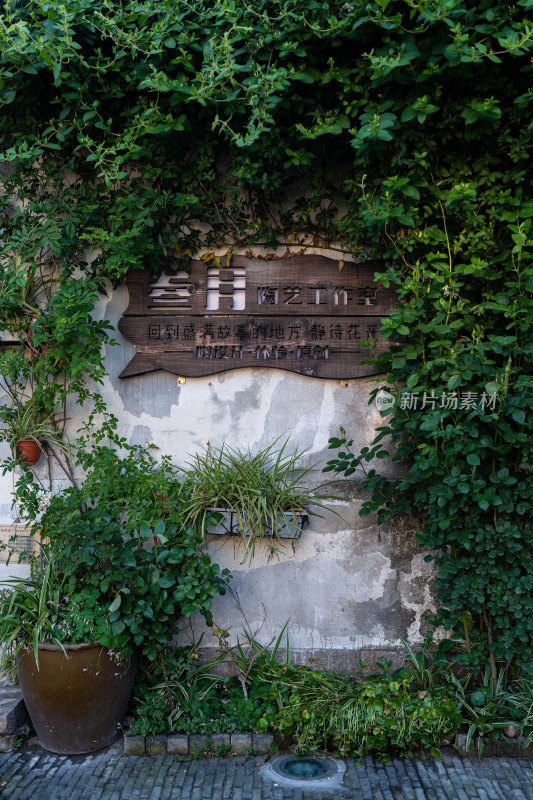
pixel 190 682
pixel 484 708
pixel 520 704
pixel 423 666
pixel 246 656
pixel 25 421
pixel 264 490
pixel 29 612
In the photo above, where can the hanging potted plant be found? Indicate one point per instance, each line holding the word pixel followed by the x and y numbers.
pixel 112 588
pixel 27 429
pixel 252 495
pixel 28 450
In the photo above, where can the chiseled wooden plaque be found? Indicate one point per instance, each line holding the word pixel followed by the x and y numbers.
pixel 300 314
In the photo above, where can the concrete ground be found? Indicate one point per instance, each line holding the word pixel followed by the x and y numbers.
pixel 109 775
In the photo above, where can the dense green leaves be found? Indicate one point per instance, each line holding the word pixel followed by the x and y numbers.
pixel 391 129
pixel 117 90
pixel 130 566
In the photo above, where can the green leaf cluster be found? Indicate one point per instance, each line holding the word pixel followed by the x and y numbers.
pixel 263 491
pixel 136 135
pixel 126 564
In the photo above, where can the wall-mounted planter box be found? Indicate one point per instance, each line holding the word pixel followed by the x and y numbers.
pixel 226 522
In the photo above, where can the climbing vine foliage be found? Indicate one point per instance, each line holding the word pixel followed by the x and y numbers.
pixel 135 133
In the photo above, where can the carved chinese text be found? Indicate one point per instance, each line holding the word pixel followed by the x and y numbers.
pixel 298 314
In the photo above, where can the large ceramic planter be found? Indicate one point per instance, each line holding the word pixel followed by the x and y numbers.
pixel 75 702
pixel 28 450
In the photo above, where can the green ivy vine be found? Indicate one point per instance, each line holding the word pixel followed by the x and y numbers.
pixel 135 133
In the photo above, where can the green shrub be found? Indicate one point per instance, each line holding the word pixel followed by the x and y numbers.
pixel 413 708
pixel 185 697
pixel 399 131
pixel 490 712
pixel 123 566
pixel 325 711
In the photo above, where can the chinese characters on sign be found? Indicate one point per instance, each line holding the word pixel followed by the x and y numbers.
pixel 301 314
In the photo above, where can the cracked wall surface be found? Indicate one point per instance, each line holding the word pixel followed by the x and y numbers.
pixel 350 586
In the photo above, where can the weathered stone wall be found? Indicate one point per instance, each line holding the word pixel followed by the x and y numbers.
pixel 350 587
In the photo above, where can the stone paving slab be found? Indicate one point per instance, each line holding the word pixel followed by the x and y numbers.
pixel 109 775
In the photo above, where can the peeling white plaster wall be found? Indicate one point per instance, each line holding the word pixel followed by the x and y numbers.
pixel 349 584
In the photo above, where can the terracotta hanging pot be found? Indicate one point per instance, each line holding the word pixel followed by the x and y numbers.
pixel 75 701
pixel 28 450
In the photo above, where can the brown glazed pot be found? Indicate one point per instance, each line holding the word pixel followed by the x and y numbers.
pixel 75 703
pixel 28 450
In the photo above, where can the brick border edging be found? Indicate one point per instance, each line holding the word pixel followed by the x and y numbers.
pixel 261 744
pixel 183 745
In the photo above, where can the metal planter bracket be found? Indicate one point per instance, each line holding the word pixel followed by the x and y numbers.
pixel 229 524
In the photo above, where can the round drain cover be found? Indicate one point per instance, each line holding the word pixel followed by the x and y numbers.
pixel 306 768
pixel 305 772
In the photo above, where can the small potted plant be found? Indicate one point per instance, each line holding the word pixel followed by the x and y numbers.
pixel 253 495
pixel 120 567
pixel 26 429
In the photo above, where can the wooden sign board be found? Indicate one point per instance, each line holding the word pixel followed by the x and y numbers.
pixel 300 314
